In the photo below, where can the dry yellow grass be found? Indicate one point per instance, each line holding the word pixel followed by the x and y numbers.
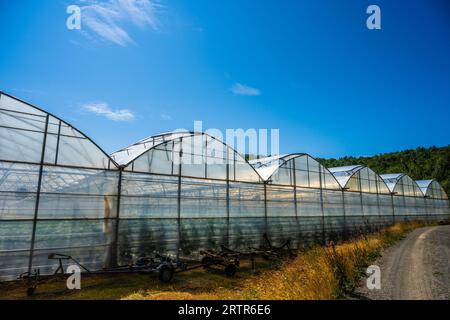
pixel 320 273
pixel 315 274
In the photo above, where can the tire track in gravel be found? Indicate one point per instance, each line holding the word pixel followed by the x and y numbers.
pixel 416 268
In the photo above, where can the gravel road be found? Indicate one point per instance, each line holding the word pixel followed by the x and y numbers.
pixel 416 268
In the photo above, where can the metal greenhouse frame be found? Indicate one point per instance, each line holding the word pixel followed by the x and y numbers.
pixel 175 193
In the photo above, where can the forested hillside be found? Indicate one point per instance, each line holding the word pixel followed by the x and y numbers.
pixel 420 163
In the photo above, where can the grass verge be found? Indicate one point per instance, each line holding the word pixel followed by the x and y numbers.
pixel 317 273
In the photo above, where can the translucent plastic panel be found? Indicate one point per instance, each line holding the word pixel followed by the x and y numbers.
pixel 202 233
pixel 400 205
pixel 406 186
pixel 194 149
pixel 280 209
pixel 216 160
pixel 436 191
pixel 246 208
pixel 281 229
pixel 280 201
pixel 12 264
pixel 382 187
pixel 301 163
pixel 302 178
pixel 330 182
pixel 353 184
pixel 216 151
pixel 15 235
pixel 20 145
pixel 69 131
pixel 332 203
pixel 364 183
pixel 246 232
pixel 314 179
pixel 201 189
pixel 51 145
pixel 157 161
pixel 17 206
pixel 73 206
pixel 22 121
pixel 81 152
pixel 370 204
pixel 244 172
pixel 192 169
pixel 72 233
pixel 79 181
pixel 144 237
pixel 54 125
pixel 12 104
pixel 353 204
pixel 283 176
pixel 385 203
pixel 308 202
pixel 246 191
pixel 276 193
pixel 148 207
pixel 364 174
pixel 134 184
pixel 203 208
pixel 216 171
pixel 19 178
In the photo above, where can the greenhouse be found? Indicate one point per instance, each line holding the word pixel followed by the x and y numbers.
pixel 175 193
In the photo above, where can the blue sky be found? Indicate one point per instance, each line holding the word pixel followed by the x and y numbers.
pixel 308 68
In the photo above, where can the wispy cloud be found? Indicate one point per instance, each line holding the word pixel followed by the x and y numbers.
pixel 244 90
pixel 103 109
pixel 165 116
pixel 107 19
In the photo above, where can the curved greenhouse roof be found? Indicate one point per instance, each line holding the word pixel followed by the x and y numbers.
pixel 402 184
pixel 126 155
pixel 359 178
pixel 432 189
pixel 198 154
pixel 267 166
pixel 297 169
pixel 344 173
pixel 29 134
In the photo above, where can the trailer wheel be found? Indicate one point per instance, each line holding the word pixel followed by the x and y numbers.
pixel 230 270
pixel 207 262
pixel 165 274
pixel 30 291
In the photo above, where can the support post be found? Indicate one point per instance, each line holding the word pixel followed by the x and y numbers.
pixel 115 244
pixel 228 203
pixel 345 215
pixel 179 200
pixel 322 207
pixel 38 195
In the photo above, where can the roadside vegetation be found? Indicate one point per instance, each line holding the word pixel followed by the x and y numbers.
pixel 419 163
pixel 330 272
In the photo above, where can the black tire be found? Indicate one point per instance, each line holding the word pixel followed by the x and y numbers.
pixel 230 270
pixel 207 262
pixel 30 291
pixel 165 274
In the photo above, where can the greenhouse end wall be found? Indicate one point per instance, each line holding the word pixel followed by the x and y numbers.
pixel 60 193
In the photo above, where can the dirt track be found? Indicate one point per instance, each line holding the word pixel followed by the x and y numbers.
pixel 416 268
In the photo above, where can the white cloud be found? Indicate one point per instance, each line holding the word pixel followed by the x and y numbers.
pixel 107 19
pixel 103 109
pixel 243 90
pixel 166 116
